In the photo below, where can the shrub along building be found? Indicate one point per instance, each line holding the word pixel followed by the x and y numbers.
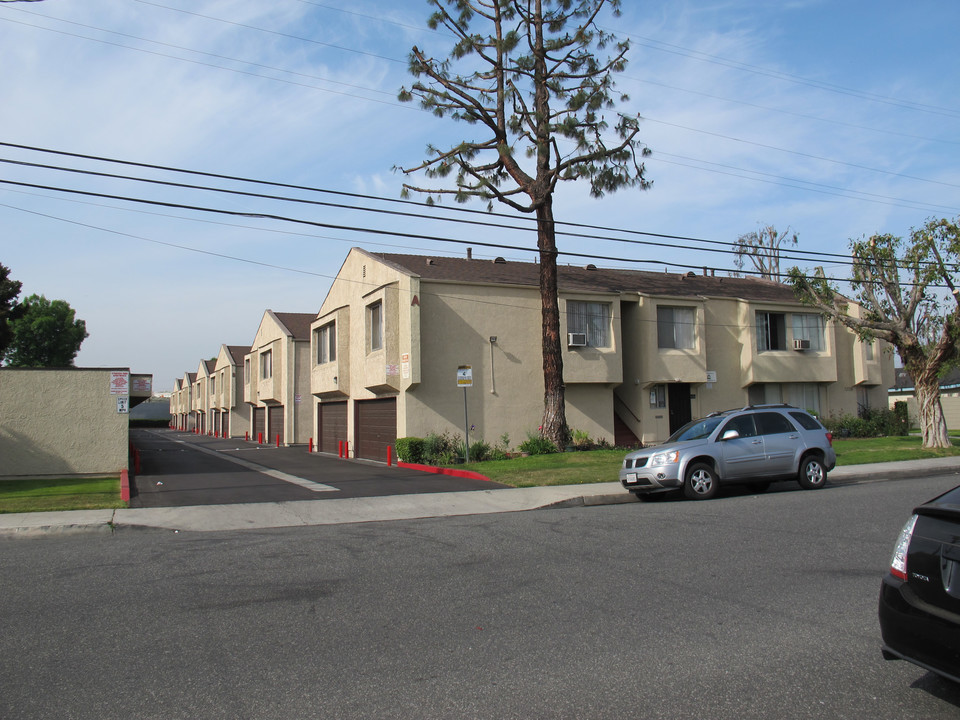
pixel 643 352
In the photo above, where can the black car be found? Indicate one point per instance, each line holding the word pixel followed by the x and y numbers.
pixel 920 596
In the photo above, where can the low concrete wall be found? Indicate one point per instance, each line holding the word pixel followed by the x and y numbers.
pixel 60 422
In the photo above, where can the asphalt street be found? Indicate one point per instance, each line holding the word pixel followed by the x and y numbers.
pixel 748 606
pixel 182 469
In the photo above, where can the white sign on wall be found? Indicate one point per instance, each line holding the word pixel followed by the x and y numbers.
pixel 119 382
pixel 464 376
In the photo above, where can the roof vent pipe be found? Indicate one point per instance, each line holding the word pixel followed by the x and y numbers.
pixel 469 253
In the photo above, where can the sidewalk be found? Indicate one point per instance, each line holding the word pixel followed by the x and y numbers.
pixel 209 518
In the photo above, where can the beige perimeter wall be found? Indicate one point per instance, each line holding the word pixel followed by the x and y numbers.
pixel 60 423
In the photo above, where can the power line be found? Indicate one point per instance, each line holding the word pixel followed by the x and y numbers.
pixel 800 255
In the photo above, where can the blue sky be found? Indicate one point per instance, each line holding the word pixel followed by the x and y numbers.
pixel 835 119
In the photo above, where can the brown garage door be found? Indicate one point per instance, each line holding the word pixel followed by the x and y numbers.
pixel 259 424
pixel 224 423
pixel 375 428
pixel 331 426
pixel 275 422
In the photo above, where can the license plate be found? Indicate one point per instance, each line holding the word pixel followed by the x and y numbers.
pixel 631 478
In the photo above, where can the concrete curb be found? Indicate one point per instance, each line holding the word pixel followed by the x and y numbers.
pixel 212 518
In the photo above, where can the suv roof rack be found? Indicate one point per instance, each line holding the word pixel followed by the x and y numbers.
pixel 769 405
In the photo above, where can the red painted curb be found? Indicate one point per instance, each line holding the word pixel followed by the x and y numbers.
pixel 467 474
pixel 124 486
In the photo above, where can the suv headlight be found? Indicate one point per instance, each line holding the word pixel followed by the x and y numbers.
pixel 665 458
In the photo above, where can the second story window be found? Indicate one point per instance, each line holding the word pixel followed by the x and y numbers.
pixel 771 331
pixel 676 327
pixel 246 371
pixel 266 365
pixel 809 326
pixel 590 318
pixel 326 341
pixel 375 324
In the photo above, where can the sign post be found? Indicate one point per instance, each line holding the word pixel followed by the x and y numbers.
pixel 465 380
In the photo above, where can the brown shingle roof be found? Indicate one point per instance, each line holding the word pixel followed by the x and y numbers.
pixel 297 323
pixel 237 352
pixel 588 279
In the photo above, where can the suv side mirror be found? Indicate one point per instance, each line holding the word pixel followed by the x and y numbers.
pixel 730 435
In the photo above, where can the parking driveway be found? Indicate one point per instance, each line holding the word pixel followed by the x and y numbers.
pixel 179 469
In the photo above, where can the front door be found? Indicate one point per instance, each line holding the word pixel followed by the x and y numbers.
pixel 678 403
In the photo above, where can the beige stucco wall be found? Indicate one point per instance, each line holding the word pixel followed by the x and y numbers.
pixel 432 327
pixel 290 379
pixel 228 393
pixel 60 423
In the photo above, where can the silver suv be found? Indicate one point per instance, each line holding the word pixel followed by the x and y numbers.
pixel 756 444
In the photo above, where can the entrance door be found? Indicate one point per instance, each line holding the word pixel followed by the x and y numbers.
pixel 275 423
pixel 331 426
pixel 375 428
pixel 678 402
pixel 259 423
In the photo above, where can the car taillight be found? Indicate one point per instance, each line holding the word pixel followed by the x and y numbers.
pixel 830 438
pixel 898 563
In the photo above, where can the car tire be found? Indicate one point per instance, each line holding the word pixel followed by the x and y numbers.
pixel 813 474
pixel 701 482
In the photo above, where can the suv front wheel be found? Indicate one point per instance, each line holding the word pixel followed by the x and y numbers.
pixel 701 482
pixel 812 474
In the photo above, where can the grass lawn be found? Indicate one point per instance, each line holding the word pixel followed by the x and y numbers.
pixel 604 465
pixel 18 496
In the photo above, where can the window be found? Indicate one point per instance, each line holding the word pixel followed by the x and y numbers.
pixel 676 327
pixel 805 396
pixel 809 326
pixel 658 396
pixel 771 423
pixel 590 318
pixel 266 365
pixel 213 385
pixel 743 424
pixel 868 349
pixel 326 342
pixel 375 323
pixel 246 371
pixel 771 331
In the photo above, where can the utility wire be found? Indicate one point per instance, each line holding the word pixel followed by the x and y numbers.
pixel 800 254
pixel 418 216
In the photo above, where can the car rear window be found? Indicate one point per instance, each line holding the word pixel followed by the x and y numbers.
pixel 807 422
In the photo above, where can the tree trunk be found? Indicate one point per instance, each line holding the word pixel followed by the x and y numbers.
pixel 554 426
pixel 933 426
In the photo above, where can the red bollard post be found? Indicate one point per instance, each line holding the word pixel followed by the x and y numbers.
pixel 310 445
pixel 389 455
pixel 278 439
pixel 340 449
pixel 259 438
pixel 246 436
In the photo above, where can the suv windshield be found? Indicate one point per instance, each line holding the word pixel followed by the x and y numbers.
pixel 696 430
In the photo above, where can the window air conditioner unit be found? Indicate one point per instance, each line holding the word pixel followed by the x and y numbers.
pixel 801 344
pixel 576 339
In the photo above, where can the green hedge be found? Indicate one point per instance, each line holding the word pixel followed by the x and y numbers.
pixel 410 449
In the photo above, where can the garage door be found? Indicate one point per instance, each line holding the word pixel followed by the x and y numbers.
pixel 224 423
pixel 376 428
pixel 275 422
pixel 259 423
pixel 331 426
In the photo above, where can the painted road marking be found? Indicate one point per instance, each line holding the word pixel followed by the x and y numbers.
pixel 302 482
